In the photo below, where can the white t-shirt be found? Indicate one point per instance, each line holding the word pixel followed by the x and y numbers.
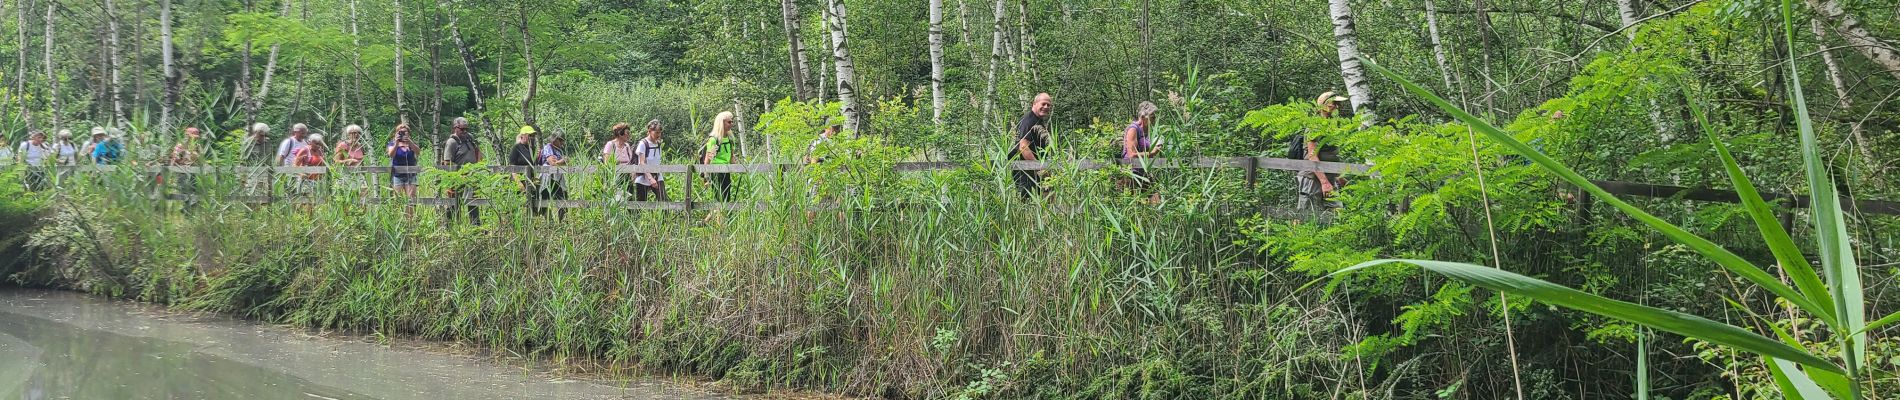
pixel 289 148
pixel 68 154
pixel 651 151
pixel 35 155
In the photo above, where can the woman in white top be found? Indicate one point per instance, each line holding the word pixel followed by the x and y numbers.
pixel 35 152
pixel 648 153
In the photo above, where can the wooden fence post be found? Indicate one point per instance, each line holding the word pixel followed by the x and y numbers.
pixel 1253 172
pixel 689 187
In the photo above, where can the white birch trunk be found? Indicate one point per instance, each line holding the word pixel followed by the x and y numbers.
pixel 1358 87
pixel 527 56
pixel 1438 49
pixel 19 71
pixel 468 65
pixel 171 67
pixel 113 63
pixel 847 74
pixel 1841 97
pixel 936 61
pixel 270 66
pixel 795 48
pixel 824 63
pixel 996 60
pixel 356 62
pixel 52 80
pixel 1856 35
pixel 401 108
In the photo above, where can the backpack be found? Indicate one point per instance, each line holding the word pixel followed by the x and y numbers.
pixel 1296 146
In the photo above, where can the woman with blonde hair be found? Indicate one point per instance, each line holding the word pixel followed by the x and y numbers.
pixel 720 151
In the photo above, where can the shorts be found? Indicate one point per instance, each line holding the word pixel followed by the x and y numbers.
pixel 403 179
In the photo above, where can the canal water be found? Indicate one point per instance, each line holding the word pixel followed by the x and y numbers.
pixel 63 345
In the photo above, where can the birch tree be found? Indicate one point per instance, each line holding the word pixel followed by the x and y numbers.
pixel 527 56
pixel 170 102
pixel 795 49
pixel 468 65
pixel 996 60
pixel 841 59
pixel 1438 48
pixel 356 64
pixel 1628 14
pixel 19 72
pixel 401 108
pixel 1358 88
pixel 113 63
pixel 1850 29
pixel 936 61
pixel 52 79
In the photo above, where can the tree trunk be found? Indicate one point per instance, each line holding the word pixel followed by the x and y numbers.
pixel 1358 87
pixel 1438 49
pixel 52 80
pixel 1147 50
pixel 795 48
pixel 356 61
pixel 1626 11
pixel 402 109
pixel 113 63
pixel 936 61
pixel 270 70
pixel 1856 35
pixel 824 66
pixel 435 70
pixel 468 65
pixel 527 55
pixel 1026 42
pixel 19 71
pixel 1841 98
pixel 172 81
pixel 996 59
pixel 847 74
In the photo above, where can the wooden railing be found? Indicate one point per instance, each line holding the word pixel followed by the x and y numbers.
pixel 1252 166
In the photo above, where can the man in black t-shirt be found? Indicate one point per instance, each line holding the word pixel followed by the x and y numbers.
pixel 1032 135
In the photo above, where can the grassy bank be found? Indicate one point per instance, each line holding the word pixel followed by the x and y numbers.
pixel 979 297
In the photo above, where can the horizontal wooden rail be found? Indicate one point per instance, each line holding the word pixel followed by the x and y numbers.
pixel 1251 165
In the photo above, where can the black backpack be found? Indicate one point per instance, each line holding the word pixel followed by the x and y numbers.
pixel 1296 146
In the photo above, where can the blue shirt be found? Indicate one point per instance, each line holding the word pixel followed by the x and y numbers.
pixel 108 153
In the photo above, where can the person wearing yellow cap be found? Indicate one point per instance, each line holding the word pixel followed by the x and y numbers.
pixel 522 155
pixel 1314 186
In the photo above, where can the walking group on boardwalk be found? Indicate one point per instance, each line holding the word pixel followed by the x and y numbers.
pixel 532 148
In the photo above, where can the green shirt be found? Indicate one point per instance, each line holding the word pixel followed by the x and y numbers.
pixel 722 150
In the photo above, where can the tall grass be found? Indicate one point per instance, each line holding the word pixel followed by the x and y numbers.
pixel 972 293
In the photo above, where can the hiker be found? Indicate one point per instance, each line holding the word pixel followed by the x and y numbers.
pixel 350 152
pixel 618 151
pixel 1314 187
pixel 98 136
pixel 460 150
pixel 554 184
pixel 647 153
pixel 310 155
pixel 1032 135
pixel 719 151
pixel 523 155
pixel 185 154
pixel 824 136
pixel 35 153
pixel 65 154
pixel 299 134
pixel 257 154
pixel 108 151
pixel 7 156
pixel 1137 147
pixel 402 152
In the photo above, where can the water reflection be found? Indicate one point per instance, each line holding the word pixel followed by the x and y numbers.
pixel 52 360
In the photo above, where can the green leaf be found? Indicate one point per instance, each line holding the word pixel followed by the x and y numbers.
pixel 1729 260
pixel 1837 255
pixel 1883 322
pixel 1776 236
pixel 1795 385
pixel 1660 319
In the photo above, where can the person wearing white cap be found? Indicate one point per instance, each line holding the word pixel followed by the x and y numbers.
pixel 98 136
pixel 1314 187
pixel 289 147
